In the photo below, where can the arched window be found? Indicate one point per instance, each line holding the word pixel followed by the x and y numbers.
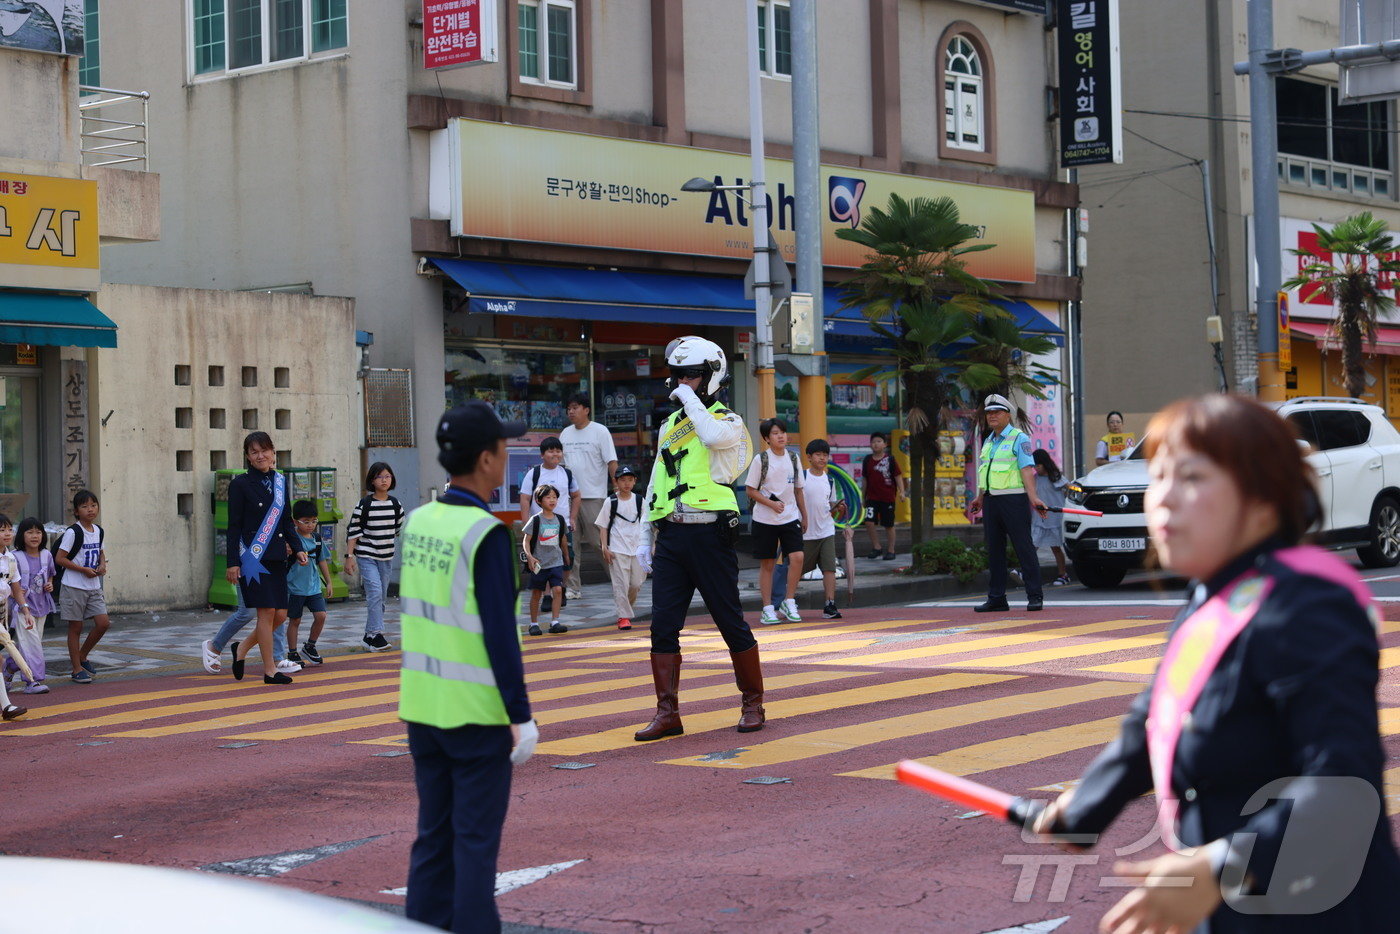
pixel 963 96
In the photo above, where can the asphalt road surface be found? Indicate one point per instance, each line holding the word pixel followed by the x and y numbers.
pixel 310 785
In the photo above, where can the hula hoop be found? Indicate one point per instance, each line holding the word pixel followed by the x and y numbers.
pixel 849 492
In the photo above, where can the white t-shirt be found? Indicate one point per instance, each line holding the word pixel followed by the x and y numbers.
pixel 86 557
pixel 587 452
pixel 626 535
pixel 821 499
pixel 780 482
pixel 556 477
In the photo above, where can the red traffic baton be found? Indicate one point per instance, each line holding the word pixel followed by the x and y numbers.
pixel 1073 512
pixel 1022 812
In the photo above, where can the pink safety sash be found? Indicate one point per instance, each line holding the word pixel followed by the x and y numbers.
pixel 1195 651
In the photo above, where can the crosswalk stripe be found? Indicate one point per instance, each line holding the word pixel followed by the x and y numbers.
pixel 1390 658
pixel 1011 750
pixel 644 704
pixel 839 739
pixel 995 642
pixel 542 695
pixel 1138 666
pixel 1391 784
pixel 249 717
pixel 706 721
pixel 1074 650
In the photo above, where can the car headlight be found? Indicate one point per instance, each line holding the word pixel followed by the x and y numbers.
pixel 1076 494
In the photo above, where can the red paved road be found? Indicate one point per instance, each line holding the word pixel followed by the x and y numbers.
pixel 685 846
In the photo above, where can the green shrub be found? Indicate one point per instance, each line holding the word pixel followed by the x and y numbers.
pixel 948 555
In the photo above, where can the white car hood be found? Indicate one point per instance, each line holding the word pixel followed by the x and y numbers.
pixel 1131 473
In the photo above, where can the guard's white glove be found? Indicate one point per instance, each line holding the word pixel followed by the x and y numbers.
pixel 526 736
pixel 683 393
pixel 644 557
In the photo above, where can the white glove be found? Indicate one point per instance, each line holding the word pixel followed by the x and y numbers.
pixel 644 557
pixel 526 736
pixel 683 393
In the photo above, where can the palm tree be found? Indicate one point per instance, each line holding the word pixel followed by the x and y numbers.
pixel 947 335
pixel 1352 265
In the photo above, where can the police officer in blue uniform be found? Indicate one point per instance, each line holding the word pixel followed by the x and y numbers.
pixel 1006 495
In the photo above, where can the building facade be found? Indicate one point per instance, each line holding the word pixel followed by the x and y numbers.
pixel 515 231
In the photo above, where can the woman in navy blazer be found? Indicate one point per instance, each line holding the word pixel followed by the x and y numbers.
pixel 1260 731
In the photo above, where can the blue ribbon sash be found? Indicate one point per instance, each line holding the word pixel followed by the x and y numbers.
pixel 250 556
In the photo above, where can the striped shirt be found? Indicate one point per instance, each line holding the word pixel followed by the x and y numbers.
pixel 376 523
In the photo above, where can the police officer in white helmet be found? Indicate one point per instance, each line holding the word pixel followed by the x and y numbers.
pixel 694 515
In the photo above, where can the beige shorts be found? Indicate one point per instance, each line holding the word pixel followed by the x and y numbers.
pixel 76 605
pixel 819 552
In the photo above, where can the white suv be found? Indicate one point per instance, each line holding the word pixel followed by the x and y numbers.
pixel 1354 450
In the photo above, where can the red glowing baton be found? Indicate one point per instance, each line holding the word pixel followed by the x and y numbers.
pixel 1074 512
pixel 1019 811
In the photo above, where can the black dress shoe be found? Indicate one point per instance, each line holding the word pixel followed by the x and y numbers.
pixel 238 663
pixel 1034 604
pixel 278 678
pixel 992 606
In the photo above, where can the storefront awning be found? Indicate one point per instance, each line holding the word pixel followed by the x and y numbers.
pixel 54 320
pixel 1387 339
pixel 653 298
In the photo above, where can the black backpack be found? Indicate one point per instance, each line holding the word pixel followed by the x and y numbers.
pixel 535 481
pixel 613 506
pixel 364 510
pixel 58 569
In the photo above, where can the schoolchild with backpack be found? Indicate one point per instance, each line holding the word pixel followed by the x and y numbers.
pixel 307 584
pixel 82 563
pixel 551 470
pixel 546 551
pixel 370 540
pixel 620 528
pixel 774 486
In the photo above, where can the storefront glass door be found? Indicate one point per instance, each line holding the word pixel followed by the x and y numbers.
pixel 631 400
pixel 20 493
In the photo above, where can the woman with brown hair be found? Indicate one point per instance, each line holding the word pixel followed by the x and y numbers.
pixel 1260 732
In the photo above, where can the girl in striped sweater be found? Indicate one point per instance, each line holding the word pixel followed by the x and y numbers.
pixel 370 539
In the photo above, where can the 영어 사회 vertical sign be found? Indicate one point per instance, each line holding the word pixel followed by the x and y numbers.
pixel 1091 112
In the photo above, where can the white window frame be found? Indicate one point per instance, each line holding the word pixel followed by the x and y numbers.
pixel 265 7
pixel 542 40
pixel 768 57
pixel 954 97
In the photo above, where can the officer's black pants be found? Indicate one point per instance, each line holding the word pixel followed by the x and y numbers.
pixel 1006 516
pixel 463 779
pixel 690 558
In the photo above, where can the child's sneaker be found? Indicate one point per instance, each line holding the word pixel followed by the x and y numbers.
pixel 829 611
pixel 890 556
pixel 293 656
pixel 624 624
pixel 768 617
pixel 89 667
pixel 38 687
pixel 309 650
pixel 557 627
pixel 874 554
pixel 535 630
pixel 81 677
pixel 377 642
pixel 790 610
pixel 287 666
pixel 1061 581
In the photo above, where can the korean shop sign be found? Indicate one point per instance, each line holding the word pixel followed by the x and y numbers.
pixel 506 182
pixel 458 32
pixel 48 232
pixel 1091 115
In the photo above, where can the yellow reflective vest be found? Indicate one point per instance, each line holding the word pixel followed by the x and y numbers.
pixel 682 471
pixel 446 679
pixel 996 469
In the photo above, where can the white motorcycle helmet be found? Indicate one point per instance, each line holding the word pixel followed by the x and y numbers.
pixel 696 356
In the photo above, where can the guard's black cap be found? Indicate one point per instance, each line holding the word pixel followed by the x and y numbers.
pixel 473 425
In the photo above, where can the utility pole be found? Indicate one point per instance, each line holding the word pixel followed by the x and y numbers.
pixel 806 170
pixel 759 217
pixel 1264 156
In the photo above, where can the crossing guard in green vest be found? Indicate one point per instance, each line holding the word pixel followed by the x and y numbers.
pixel 694 514
pixel 462 684
pixel 1005 496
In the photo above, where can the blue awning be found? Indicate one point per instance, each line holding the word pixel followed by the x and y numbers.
pixel 54 320
pixel 650 298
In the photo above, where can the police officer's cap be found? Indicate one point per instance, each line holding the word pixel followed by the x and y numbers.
pixel 474 425
pixel 996 403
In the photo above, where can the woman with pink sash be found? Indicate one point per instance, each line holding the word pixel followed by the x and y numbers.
pixel 1260 733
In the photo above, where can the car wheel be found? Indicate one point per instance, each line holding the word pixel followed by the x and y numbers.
pixel 1384 535
pixel 1097 576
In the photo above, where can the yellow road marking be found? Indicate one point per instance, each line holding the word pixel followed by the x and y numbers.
pixel 642 704
pixel 840 739
pixel 248 717
pixel 1012 750
pixel 1139 666
pixel 788 707
pixel 995 642
pixel 1073 650
pixel 1391 785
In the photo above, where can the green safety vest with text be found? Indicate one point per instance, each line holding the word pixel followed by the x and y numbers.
pixel 996 469
pixel 682 471
pixel 445 679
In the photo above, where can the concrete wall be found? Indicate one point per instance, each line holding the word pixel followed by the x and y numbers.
pixel 39 106
pixel 161 558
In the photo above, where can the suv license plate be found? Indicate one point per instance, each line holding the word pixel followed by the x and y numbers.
pixel 1122 544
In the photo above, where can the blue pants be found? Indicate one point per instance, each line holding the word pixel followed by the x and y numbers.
pixel 374 574
pixel 242 617
pixel 1010 516
pixel 690 558
pixel 463 779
